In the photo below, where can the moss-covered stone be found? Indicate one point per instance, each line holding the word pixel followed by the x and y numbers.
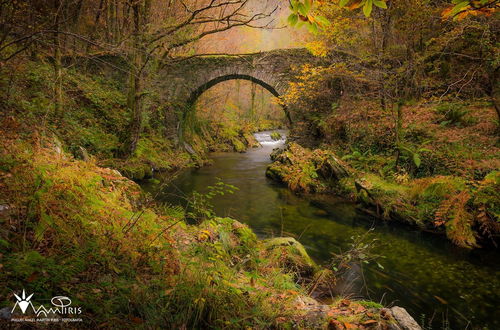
pixel 238 145
pixel 275 136
pixel 306 171
pixel 291 254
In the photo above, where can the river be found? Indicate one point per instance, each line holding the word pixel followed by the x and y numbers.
pixel 438 283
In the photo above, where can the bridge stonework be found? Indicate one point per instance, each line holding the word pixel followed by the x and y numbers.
pixel 183 81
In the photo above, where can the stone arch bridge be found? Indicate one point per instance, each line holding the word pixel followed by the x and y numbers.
pixel 184 80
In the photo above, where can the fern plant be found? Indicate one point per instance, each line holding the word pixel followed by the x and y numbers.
pixel 415 154
pixel 357 158
pixel 454 215
pixel 453 113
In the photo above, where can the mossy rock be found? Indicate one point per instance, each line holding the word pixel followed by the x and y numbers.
pixel 330 167
pixel 291 255
pixel 238 145
pixel 239 237
pixel 276 153
pixel 135 170
pixel 251 141
pixel 276 136
pixel 275 172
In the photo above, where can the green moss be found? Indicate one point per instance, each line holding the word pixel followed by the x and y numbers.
pixel 293 254
pixel 238 145
pixel 370 304
pixel 275 136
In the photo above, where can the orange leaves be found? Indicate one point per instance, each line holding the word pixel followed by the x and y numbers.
pixel 370 323
pixel 352 315
pixel 450 207
pixel 136 320
pixel 334 324
pixel 461 9
pixel 355 5
pixel 453 212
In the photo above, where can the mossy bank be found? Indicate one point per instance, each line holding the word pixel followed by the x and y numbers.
pixel 467 211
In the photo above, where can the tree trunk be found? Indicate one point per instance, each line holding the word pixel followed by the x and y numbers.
pixel 386 29
pixel 135 106
pixel 399 126
pixel 58 100
pixel 494 90
pixel 140 12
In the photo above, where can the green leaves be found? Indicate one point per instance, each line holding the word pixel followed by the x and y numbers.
pixel 416 160
pixel 366 4
pixel 367 8
pixel 313 28
pixel 301 14
pixel 459 6
pixel 322 20
pixel 414 152
pixel 308 5
pixel 293 19
pixel 380 4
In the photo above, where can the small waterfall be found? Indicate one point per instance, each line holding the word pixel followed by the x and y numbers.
pixel 265 138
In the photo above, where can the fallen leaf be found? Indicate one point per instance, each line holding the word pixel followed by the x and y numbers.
pixel 32 277
pixel 334 324
pixel 136 319
pixel 441 300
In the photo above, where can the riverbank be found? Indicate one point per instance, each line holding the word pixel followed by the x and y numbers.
pixel 462 210
pixel 75 228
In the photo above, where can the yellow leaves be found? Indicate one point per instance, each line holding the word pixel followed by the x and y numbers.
pixel 204 235
pixel 200 300
pixel 317 48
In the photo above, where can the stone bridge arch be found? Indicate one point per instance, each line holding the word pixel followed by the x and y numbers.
pixel 184 80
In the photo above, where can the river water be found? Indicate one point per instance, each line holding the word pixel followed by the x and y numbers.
pixel 436 282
